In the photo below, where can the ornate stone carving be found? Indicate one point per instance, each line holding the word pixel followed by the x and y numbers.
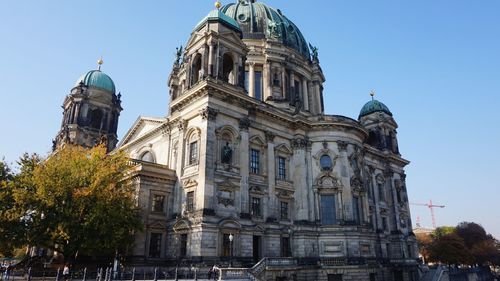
pixel 226 201
pixel 208 113
pixel 245 123
pixel 380 179
pixel 270 136
pixel 356 182
pixel 299 143
pixel 187 183
pixel 325 144
pixel 342 145
pixel 182 125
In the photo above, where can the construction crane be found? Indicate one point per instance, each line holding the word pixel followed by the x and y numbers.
pixel 431 207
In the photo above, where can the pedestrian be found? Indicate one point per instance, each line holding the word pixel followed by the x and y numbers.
pixel 66 272
pixel 210 272
pixel 214 271
pixel 6 274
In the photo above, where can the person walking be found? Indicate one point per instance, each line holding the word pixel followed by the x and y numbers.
pixel 66 272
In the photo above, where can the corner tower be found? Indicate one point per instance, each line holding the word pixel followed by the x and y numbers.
pixel 90 112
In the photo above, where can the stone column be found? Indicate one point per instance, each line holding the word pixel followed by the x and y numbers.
pixel 390 179
pixel 318 97
pixel 179 158
pixel 271 175
pixel 206 193
pixel 305 94
pixel 283 80
pixel 241 69
pixel 244 165
pixel 346 195
pixel 251 79
pixel 266 81
pixel 71 114
pixel 211 59
pixel 293 91
pixel 77 113
pixel 309 183
pixel 376 199
pixel 300 179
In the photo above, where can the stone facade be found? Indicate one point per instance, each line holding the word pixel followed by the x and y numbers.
pixel 246 152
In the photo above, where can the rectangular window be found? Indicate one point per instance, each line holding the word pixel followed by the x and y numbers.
pixel 328 211
pixel 246 81
pixel 258 85
pixel 226 245
pixel 355 210
pixel 284 210
pixel 158 203
pixel 193 153
pixel 155 245
pixel 281 168
pixel 334 277
pixel 183 246
pixel 256 208
pixel 381 196
pixel 190 201
pixel 373 277
pixel 384 224
pixel 285 247
pixel 254 161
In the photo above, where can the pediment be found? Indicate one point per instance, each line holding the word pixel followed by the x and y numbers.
pixel 284 148
pixel 141 127
pixel 182 225
pixel 257 140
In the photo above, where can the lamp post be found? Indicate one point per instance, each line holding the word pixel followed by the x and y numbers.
pixel 231 249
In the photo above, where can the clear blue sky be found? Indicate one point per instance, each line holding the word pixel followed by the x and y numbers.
pixel 435 64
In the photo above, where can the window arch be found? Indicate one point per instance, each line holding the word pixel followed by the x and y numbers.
pixel 96 118
pixel 228 74
pixel 196 69
pixel 227 147
pixel 326 162
pixel 193 147
pixel 148 156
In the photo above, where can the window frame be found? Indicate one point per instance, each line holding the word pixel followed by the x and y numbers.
pixel 153 203
pixel 255 161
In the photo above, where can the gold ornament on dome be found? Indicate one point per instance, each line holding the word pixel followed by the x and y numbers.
pixel 99 63
pixel 218 5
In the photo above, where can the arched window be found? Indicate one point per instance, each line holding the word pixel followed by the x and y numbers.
pixel 196 69
pixel 95 118
pixel 326 163
pixel 227 68
pixel 148 157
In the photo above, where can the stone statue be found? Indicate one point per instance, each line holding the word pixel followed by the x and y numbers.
pixel 314 52
pixel 178 55
pixel 273 29
pixel 227 154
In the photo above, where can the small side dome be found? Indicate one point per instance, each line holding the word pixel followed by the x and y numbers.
pixel 374 106
pixel 97 79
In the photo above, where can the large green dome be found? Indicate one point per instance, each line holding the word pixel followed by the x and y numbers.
pixel 258 21
pixel 97 79
pixel 372 107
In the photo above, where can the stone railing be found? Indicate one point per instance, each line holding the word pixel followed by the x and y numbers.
pixel 234 274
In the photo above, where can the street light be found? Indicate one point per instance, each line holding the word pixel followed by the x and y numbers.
pixel 231 249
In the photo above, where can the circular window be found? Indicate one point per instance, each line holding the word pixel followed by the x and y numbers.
pixel 326 163
pixel 242 17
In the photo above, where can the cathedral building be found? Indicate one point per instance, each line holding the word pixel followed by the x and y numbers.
pixel 247 170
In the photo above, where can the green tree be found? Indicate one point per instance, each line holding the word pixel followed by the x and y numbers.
pixel 449 249
pixel 78 201
pixel 6 223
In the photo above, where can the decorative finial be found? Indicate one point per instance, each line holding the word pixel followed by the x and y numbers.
pixel 372 93
pixel 218 5
pixel 99 62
